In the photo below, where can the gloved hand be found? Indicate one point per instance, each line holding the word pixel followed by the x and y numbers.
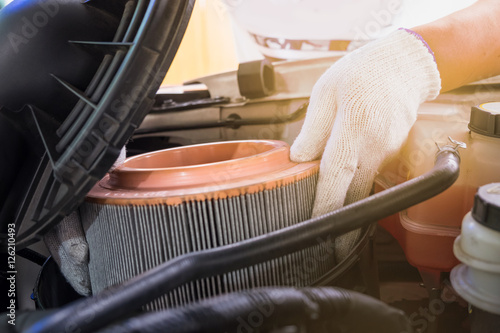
pixel 67 244
pixel 360 113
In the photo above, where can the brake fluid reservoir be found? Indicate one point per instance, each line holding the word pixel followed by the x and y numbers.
pixel 477 279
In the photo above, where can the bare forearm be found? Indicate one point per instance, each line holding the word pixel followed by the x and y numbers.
pixel 466 43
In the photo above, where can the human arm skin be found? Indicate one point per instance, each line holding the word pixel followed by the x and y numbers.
pixel 466 44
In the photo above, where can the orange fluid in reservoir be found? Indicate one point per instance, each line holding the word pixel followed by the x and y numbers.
pixel 444 210
pixel 426 231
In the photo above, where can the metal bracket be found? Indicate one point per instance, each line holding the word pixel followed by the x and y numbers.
pixel 454 145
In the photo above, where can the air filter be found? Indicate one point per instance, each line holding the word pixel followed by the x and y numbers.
pixel 160 205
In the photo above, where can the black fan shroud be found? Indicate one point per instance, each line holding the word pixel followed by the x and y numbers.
pixel 91 74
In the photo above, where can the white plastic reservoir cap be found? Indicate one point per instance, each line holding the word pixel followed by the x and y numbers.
pixel 492 107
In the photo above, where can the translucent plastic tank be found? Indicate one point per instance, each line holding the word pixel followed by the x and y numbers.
pixel 426 231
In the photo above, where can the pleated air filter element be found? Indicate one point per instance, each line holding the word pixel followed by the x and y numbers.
pixel 160 205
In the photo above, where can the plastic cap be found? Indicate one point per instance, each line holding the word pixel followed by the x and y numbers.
pixel 256 78
pixel 485 119
pixel 486 208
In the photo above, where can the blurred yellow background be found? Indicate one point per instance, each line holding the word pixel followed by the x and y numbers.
pixel 207 47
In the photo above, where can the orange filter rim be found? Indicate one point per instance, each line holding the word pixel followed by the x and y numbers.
pixel 201 172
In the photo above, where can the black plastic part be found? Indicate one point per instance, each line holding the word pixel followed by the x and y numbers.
pixel 358 270
pixel 483 321
pixel 68 147
pixel 121 300
pixel 146 144
pixel 11 160
pixel 5 284
pixel 256 78
pixel 171 105
pixel 232 121
pixel 51 288
pixel 166 101
pixel 484 122
pixel 32 256
pixel 24 320
pixel 34 42
pixel 486 209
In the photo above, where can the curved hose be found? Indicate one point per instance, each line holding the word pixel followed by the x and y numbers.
pixel 95 312
pixel 318 310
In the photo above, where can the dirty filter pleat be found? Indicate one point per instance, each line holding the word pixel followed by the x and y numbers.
pixel 128 235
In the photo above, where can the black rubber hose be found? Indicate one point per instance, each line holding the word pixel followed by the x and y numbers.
pixel 116 302
pixel 324 309
pixel 23 320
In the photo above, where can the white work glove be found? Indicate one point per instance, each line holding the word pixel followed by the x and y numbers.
pixel 360 113
pixel 67 244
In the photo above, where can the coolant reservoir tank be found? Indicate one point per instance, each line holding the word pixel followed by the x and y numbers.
pixel 477 279
pixel 427 231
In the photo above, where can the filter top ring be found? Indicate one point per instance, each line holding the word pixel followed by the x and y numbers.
pixel 201 172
